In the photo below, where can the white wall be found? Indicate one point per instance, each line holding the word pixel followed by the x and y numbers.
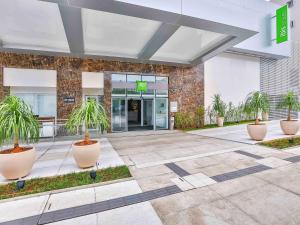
pixel 15 77
pixel 92 80
pixel 232 76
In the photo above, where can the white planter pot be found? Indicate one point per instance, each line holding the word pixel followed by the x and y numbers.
pixel 220 121
pixel 87 155
pixel 290 127
pixel 257 132
pixel 17 165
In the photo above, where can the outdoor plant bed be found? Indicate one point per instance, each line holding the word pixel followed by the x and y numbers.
pixel 40 185
pixel 226 124
pixel 282 143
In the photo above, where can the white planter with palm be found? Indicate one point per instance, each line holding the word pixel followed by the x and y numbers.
pixel 291 103
pixel 257 103
pixel 17 122
pixel 91 114
pixel 219 108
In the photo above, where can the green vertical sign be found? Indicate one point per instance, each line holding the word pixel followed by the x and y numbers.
pixel 141 86
pixel 282 24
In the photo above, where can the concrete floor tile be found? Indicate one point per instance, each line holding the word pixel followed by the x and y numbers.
pixel 150 183
pixel 83 220
pixel 22 208
pixel 216 169
pixel 269 205
pixel 199 180
pixel 138 214
pixel 149 171
pixel 70 199
pixel 272 162
pixel 234 186
pixel 220 212
pixel 117 190
pixel 182 184
pixel 181 201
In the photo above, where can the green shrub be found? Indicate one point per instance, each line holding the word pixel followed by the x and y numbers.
pixel 200 114
pixel 219 106
pixel 184 120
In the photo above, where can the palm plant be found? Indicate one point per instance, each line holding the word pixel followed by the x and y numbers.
pixel 219 106
pixel 290 102
pixel 91 114
pixel 257 102
pixel 17 122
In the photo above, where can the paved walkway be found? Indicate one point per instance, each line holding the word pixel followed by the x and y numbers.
pixel 179 178
pixel 239 133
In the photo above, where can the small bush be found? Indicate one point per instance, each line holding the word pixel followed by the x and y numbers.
pixel 200 114
pixel 184 120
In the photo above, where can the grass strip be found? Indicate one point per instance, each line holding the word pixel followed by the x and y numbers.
pixel 39 185
pixel 226 124
pixel 282 143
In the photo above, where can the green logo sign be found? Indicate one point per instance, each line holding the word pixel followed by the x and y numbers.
pixel 282 24
pixel 141 86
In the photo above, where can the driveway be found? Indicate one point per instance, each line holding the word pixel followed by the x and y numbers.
pixel 221 181
pixel 178 178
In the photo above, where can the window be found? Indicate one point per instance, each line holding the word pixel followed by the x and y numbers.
pixel 150 83
pixel 118 84
pixel 131 80
pixel 162 86
pixel 43 105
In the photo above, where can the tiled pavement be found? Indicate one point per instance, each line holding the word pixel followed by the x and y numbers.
pixel 230 187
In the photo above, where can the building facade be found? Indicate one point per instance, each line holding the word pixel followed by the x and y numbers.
pixel 185 86
pixel 181 51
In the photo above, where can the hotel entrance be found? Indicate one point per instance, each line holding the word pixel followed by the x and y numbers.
pixel 140 114
pixel 135 109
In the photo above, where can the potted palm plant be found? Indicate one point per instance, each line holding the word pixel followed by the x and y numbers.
pixel 89 114
pixel 257 103
pixel 290 102
pixel 17 123
pixel 219 108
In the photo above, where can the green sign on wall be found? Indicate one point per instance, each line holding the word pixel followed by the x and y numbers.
pixel 282 24
pixel 141 86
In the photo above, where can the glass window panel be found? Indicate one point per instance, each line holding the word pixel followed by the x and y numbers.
pixel 118 114
pixel 162 86
pixel 131 80
pixel 161 112
pixel 150 82
pixel 46 105
pixel 30 100
pixel 118 80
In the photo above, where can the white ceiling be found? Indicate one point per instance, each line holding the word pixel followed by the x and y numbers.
pixel 115 35
pixel 186 44
pixel 38 25
pixel 32 24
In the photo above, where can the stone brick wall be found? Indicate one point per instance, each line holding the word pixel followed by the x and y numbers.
pixel 186 84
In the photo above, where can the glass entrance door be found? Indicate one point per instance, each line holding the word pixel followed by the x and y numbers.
pixel 134 114
pixel 161 113
pixel 148 115
pixel 119 119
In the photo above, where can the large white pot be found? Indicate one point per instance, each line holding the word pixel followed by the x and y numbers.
pixel 87 155
pixel 220 121
pixel 257 132
pixel 290 127
pixel 17 165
